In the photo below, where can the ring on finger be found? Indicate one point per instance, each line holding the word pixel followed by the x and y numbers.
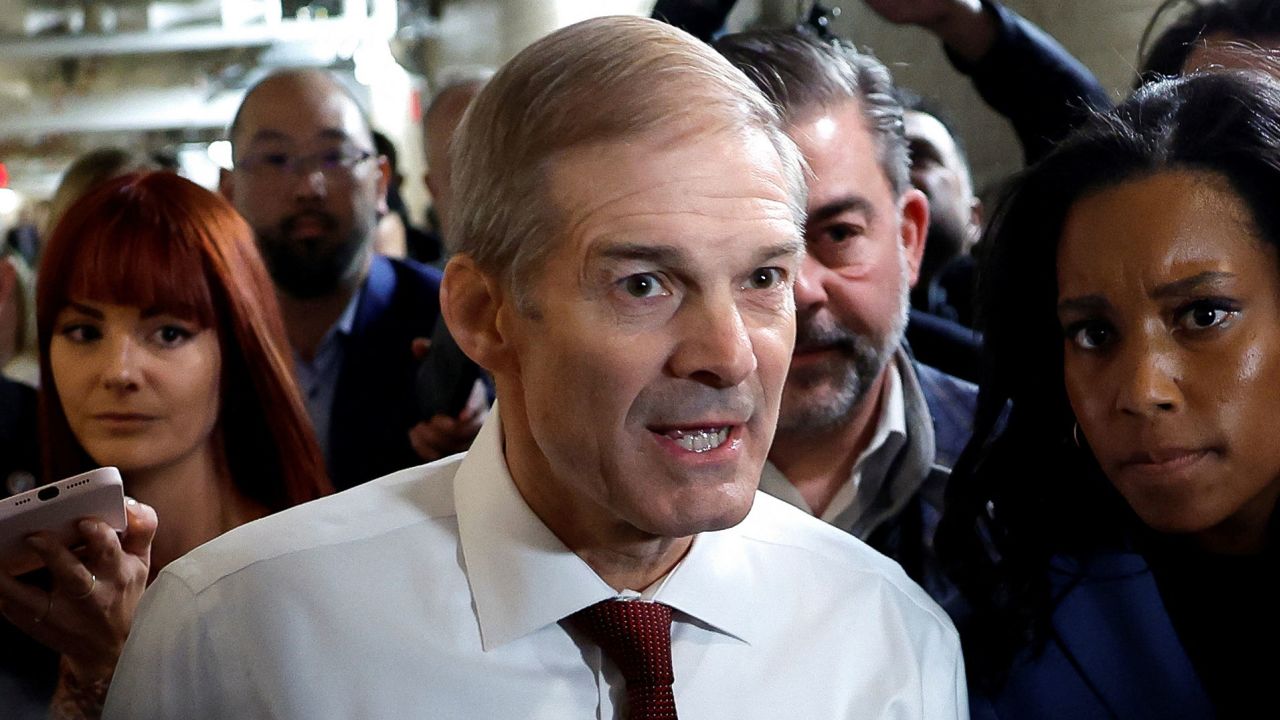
pixel 48 609
pixel 92 586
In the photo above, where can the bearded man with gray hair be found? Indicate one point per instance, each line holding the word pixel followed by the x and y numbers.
pixel 628 233
pixel 866 435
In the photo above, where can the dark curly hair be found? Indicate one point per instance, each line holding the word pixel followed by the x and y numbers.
pixel 1022 491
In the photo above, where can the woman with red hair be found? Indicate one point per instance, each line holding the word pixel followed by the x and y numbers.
pixel 163 353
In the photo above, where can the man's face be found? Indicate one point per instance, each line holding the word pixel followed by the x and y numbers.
pixel 648 375
pixel 440 126
pixel 307 182
pixel 851 294
pixel 939 171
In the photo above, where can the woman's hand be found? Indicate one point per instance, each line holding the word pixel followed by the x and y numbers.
pixel 88 610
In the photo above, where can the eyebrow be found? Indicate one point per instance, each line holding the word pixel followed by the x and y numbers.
pixel 275 135
pixel 921 149
pixel 99 315
pixel 86 310
pixel 1177 288
pixel 670 255
pixel 1187 286
pixel 843 205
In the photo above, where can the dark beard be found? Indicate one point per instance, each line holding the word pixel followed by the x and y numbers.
pixel 311 267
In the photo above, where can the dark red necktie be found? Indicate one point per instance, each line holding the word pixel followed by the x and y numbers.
pixel 636 636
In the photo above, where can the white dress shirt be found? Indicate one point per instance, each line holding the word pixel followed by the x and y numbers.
pixel 437 593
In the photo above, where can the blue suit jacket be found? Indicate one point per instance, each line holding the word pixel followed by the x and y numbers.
pixel 374 404
pixel 1113 653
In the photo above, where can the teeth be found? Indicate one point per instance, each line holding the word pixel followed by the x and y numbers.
pixel 700 441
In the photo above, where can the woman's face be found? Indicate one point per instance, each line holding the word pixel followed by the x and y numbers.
pixel 1170 306
pixel 140 389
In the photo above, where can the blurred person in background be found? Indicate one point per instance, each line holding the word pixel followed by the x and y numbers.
pixel 309 182
pixel 162 354
pixel 439 124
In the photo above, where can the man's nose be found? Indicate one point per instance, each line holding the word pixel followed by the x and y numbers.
pixel 715 346
pixel 308 181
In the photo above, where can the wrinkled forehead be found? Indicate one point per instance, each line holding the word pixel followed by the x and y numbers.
pixel 726 189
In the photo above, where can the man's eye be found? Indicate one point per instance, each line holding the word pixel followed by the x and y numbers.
pixel 275 160
pixel 765 278
pixel 841 233
pixel 643 285
pixel 333 158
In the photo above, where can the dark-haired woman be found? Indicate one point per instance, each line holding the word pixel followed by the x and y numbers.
pixel 1114 531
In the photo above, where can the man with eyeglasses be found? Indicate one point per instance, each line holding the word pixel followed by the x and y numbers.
pixel 307 180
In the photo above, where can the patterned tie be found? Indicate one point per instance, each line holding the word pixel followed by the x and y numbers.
pixel 636 636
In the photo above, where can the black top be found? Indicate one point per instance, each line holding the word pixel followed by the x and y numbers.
pixel 1226 611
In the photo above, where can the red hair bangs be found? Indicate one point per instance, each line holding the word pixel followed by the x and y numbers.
pixel 138 240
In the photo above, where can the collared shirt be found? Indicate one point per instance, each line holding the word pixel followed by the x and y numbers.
pixel 318 378
pixel 437 592
pixel 887 440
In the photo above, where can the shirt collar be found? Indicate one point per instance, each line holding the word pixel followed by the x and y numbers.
pixel 890 433
pixel 524 578
pixel 893 413
pixel 347 320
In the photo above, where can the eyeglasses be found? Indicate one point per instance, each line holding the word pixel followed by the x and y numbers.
pixel 334 164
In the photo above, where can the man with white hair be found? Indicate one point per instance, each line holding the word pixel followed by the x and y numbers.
pixel 627 232
pixel 866 435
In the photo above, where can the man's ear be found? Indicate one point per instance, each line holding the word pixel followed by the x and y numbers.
pixel 472 303
pixel 913 208
pixel 227 185
pixel 432 181
pixel 384 184
pixel 976 212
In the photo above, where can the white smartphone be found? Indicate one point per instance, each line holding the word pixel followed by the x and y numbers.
pixel 56 508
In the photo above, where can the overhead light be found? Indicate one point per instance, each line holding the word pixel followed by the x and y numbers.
pixel 220 153
pixel 9 201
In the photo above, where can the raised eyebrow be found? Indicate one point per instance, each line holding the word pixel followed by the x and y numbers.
pixel 842 205
pixel 1085 304
pixel 1188 286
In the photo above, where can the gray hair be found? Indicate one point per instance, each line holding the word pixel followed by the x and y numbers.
pixel 598 80
pixel 801 73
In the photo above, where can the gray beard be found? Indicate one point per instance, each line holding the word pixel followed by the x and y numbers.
pixel 859 361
